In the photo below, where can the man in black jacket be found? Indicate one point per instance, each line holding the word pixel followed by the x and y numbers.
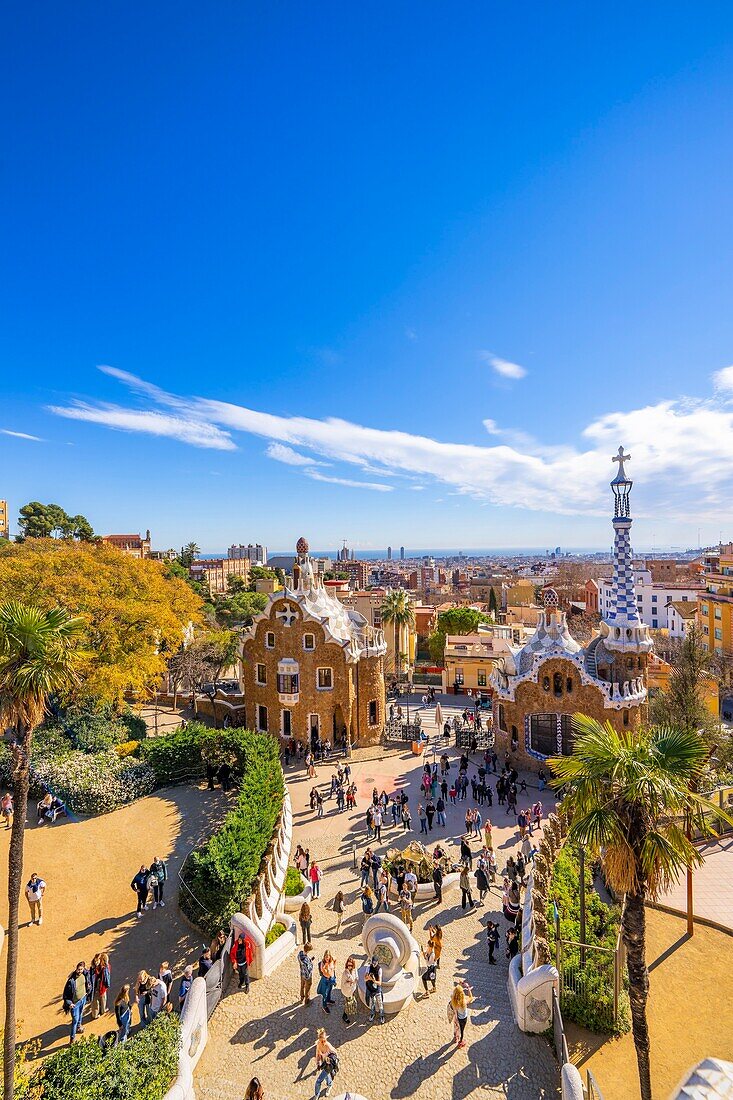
pixel 438 882
pixel 78 987
pixel 141 885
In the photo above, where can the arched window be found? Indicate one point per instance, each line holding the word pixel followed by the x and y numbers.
pixel 543 734
pixel 626 718
pixel 557 683
pixel 569 685
pixel 515 737
pixel 546 683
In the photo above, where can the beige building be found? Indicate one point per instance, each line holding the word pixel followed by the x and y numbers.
pixel 4 520
pixel 134 545
pixel 369 604
pixel 470 659
pixel 312 667
pixel 215 572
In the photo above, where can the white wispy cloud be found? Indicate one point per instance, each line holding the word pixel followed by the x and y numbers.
pixel 376 485
pixel 502 367
pixel 289 457
pixel 21 435
pixel 723 379
pixel 682 450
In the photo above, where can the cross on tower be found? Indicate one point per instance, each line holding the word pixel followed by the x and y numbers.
pixel 621 458
pixel 287 616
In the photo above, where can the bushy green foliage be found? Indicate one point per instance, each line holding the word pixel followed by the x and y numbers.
pixel 220 874
pixel 274 933
pixel 93 783
pixel 178 754
pixel 140 1069
pixel 294 883
pixel 592 1006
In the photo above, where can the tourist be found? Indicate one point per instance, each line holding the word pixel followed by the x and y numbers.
pixel 349 986
pixel 487 834
pixel 184 987
pixel 370 821
pixel 141 885
pixel 339 905
pixel 242 956
pixel 314 874
pixel 452 794
pixel 49 808
pixel 431 969
pixel 435 942
pixel 158 996
pixel 395 810
pixel 430 813
pixel 466 853
pixel 158 874
pixel 101 980
pixel 218 944
pixel 440 810
pixel 406 818
pixel 305 963
pixel 537 812
pixel 423 817
pixel 166 975
pixel 318 797
pixel 76 991
pixel 7 808
pixel 512 942
pixel 438 882
pixel 461 998
pixel 365 867
pixel 123 1013
pixel 376 868
pixel 34 891
pixel 377 824
pixel 522 823
pixel 305 920
pixel 465 884
pixel 142 997
pixel 492 937
pixel 327 1063
pixel 255 1090
pixel 382 888
pixel 542 779
pixel 327 980
pixel 373 990
pixel 205 962
pixel 367 902
pixel 511 799
pixel 406 907
pixel 510 901
pixel 482 879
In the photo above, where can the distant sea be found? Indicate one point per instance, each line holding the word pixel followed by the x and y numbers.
pixel 381 555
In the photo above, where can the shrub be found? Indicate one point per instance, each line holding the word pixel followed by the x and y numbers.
pixel 140 1069
pixel 176 755
pixel 221 873
pixel 127 748
pixel 274 933
pixel 135 725
pixel 590 1005
pixel 94 783
pixel 294 883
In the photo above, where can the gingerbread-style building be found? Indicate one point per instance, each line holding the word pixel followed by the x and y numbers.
pixel 312 667
pixel 540 686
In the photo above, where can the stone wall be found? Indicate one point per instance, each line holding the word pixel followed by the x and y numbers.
pixel 534 697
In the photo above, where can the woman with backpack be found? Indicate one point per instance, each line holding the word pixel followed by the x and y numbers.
pixel 349 985
pixel 327 1062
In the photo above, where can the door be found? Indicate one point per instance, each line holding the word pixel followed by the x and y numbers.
pixel 287 724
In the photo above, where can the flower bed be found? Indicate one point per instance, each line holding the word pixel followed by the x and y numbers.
pixel 142 1068
pixel 274 934
pixel 294 883
pixel 94 783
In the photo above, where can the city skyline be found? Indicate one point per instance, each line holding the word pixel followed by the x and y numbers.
pixel 323 290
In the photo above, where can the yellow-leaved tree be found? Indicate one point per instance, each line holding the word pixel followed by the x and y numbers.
pixel 135 616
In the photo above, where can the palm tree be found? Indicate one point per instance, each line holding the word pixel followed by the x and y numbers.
pixel 627 795
pixel 397 609
pixel 188 554
pixel 38 652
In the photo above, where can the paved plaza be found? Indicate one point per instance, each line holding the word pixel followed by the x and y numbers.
pixel 712 885
pixel 269 1034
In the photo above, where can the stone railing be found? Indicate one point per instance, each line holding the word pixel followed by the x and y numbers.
pixel 267 889
pixel 532 977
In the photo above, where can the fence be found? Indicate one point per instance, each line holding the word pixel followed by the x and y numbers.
pixel 585 970
pixel 558 1032
pixel 466 735
pixel 592 1091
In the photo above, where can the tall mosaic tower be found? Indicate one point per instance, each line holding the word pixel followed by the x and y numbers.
pixel 622 629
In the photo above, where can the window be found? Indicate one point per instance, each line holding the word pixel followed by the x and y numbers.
pixel 502 717
pixel 718 613
pixel 654 599
pixel 626 717
pixel 287 683
pixel 557 683
pixel 324 679
pixel 270 640
pixel 481 678
pixel 261 674
pixel 706 629
pixel 373 712
pixel 515 737
pixel 654 622
pixel 546 683
pixel 377 616
pixel 718 634
pixel 567 734
pixel 262 719
pixel 569 685
pixel 459 676
pixel 704 609
pixel 309 641
pixel 543 734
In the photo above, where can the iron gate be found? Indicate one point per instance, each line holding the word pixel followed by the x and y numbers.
pixel 591 978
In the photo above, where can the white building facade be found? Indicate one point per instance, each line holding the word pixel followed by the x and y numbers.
pixel 652 599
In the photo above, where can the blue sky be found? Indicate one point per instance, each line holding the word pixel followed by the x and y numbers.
pixel 318 234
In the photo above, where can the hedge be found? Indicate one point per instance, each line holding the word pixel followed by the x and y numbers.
pixel 176 754
pixel 592 1006
pixel 140 1069
pixel 221 873
pixel 294 883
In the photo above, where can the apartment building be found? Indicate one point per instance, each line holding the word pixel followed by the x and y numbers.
pixel 4 520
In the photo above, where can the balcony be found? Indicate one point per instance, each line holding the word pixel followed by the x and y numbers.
pixel 288 682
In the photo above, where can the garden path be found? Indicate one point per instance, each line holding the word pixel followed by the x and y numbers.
pixel 88 864
pixel 267 1033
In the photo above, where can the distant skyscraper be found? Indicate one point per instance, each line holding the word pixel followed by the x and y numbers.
pixel 389 553
pixel 255 555
pixel 402 553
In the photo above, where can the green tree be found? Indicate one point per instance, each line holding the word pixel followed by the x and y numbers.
pixel 627 795
pixel 188 554
pixel 457 620
pixel 683 704
pixel 492 602
pixel 397 611
pixel 42 521
pixel 38 658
